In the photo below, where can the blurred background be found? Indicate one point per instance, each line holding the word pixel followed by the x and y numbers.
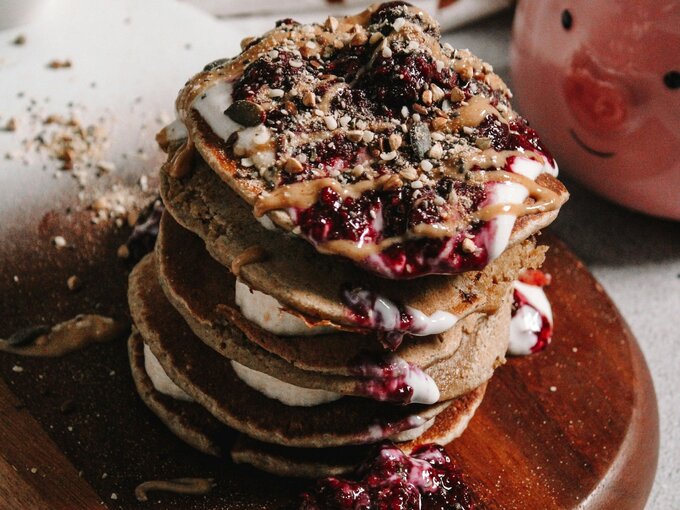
pixel 86 84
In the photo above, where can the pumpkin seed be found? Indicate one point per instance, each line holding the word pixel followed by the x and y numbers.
pixel 246 113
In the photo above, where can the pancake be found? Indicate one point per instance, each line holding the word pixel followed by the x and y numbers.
pixel 212 383
pixel 195 426
pixel 202 289
pixel 199 288
pixel 322 462
pixel 301 280
pixel 250 119
pixel 187 420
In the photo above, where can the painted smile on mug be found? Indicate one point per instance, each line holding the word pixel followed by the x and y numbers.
pixel 590 150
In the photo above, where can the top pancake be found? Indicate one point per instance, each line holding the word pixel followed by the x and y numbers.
pixel 304 282
pixel 371 140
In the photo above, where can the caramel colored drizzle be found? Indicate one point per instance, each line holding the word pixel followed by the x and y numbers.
pixel 476 110
pixel 250 255
pixel 498 159
pixel 193 486
pixel 69 336
pixel 545 199
pixel 305 194
pixel 180 163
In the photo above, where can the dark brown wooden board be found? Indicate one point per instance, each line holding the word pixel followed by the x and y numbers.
pixel 575 426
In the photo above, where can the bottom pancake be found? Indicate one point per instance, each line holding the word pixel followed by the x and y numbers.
pixel 197 427
pixel 322 462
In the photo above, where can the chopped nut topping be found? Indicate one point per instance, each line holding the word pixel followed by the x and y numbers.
pixel 294 166
pixel 331 24
pixel 59 64
pixel 395 141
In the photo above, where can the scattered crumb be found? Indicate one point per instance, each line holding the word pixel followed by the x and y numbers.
pixel 19 40
pixel 104 475
pixel 11 124
pixel 73 283
pixel 553 389
pixel 106 166
pixel 114 496
pixel 69 428
pixel 16 279
pixel 34 470
pixel 112 373
pixel 123 252
pixel 59 241
pixel 18 369
pixel 574 349
pixel 59 64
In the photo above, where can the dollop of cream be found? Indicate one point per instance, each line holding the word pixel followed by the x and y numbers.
pixel 160 379
pixel 284 392
pixel 266 311
pixel 251 142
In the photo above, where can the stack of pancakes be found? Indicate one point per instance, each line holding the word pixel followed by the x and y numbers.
pixel 309 351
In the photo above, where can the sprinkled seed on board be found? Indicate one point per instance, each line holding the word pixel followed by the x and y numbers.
pixel 73 283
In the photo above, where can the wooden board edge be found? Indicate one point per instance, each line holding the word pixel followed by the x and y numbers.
pixel 35 473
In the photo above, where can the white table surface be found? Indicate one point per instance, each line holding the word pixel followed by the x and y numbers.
pixel 147 49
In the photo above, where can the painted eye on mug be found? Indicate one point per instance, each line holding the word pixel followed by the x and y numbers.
pixel 567 19
pixel 672 79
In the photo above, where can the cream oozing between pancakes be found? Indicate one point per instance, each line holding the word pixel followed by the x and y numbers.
pixel 388 377
pixel 159 378
pixel 378 143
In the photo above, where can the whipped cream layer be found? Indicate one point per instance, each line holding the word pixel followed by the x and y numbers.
pixel 284 392
pixel 268 313
pixel 531 323
pixel 159 378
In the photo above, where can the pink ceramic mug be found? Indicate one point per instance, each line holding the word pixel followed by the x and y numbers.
pixel 600 80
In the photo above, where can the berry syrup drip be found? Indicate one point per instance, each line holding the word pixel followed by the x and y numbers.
pixel 389 378
pixel 373 311
pixel 143 236
pixel 531 326
pixel 427 479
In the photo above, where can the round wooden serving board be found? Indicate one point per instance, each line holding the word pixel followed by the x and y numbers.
pixel 575 426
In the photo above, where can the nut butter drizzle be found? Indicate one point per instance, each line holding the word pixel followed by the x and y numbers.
pixel 305 194
pixel 250 255
pixel 193 486
pixel 66 337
